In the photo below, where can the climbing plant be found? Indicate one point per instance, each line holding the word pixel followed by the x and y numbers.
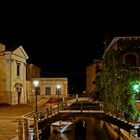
pixel 115 87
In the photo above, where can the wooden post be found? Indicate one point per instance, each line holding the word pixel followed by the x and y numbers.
pixel 47 113
pixel 76 97
pixel 26 129
pixel 20 130
pixel 36 127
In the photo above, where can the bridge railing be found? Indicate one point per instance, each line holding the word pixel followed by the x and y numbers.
pixel 51 110
pixel 116 112
pixel 80 105
pixel 108 108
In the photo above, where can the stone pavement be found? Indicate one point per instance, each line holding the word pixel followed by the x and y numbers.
pixel 9 116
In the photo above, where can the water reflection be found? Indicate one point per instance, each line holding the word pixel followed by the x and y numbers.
pixel 89 129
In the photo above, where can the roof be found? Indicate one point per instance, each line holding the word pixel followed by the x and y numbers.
pixel 116 39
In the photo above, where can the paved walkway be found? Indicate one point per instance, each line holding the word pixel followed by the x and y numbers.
pixel 9 116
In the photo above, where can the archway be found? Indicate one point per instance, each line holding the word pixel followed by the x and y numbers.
pixel 131 60
pixel 18 89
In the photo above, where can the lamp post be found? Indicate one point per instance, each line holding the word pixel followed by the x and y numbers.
pixel 36 134
pixel 36 82
pixel 58 92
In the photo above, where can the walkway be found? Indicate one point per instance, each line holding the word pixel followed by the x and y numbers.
pixel 9 116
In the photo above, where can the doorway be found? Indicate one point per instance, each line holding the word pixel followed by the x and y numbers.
pixel 18 88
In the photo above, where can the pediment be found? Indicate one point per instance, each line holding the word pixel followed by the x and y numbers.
pixel 20 52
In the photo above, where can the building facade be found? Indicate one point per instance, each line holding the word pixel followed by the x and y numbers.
pixel 16 79
pixel 123 56
pixel 33 71
pixel 123 50
pixel 48 88
pixel 13 75
pixel 91 72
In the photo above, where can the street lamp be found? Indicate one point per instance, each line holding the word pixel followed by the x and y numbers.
pixel 36 83
pixel 58 92
pixel 36 134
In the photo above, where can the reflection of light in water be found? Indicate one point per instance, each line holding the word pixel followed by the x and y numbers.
pixel 84 124
pixel 64 136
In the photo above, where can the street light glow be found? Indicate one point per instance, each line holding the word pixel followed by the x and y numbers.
pixel 58 92
pixel 36 82
pixel 135 86
pixel 58 86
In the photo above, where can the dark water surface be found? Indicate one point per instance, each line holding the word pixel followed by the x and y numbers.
pixel 92 129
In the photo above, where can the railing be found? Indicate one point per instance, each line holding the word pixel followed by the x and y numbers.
pixel 108 108
pixel 52 109
pixel 116 112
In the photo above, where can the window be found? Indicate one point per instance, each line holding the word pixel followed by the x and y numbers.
pixel 47 90
pixel 18 69
pixel 130 60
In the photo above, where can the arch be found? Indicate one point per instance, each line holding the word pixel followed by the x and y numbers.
pixel 131 59
pixel 18 89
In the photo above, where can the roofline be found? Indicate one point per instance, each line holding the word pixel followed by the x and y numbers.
pixel 50 79
pixel 115 39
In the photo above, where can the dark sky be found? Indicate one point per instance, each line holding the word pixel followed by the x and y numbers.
pixel 63 39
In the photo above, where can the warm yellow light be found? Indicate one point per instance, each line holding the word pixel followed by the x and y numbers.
pixel 58 86
pixel 36 83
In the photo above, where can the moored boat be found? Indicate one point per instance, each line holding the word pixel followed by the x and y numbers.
pixel 62 126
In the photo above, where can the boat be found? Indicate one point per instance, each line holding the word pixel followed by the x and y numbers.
pixel 62 126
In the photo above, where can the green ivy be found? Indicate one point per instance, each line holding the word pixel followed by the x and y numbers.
pixel 115 87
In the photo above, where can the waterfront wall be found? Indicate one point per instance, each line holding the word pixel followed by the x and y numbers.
pixel 118 133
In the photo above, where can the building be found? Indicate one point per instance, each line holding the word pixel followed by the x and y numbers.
pixel 126 51
pixel 13 75
pixel 91 71
pixel 33 71
pixel 123 57
pixel 48 88
pixel 16 79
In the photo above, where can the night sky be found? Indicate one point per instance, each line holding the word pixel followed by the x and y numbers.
pixel 63 40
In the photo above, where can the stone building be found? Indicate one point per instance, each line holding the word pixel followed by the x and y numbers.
pixel 123 50
pixel 13 75
pixel 16 79
pixel 91 71
pixel 48 88
pixel 123 55
pixel 33 71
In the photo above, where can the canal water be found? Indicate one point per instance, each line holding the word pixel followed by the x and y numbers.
pixel 89 129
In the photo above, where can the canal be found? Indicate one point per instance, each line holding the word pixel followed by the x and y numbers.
pixel 89 129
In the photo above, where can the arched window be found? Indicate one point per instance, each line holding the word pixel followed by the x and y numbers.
pixel 131 60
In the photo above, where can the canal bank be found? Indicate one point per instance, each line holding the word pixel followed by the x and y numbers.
pixel 89 129
pixel 118 133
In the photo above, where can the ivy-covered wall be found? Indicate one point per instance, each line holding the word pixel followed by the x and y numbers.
pixel 115 83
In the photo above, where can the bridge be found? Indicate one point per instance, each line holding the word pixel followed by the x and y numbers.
pixel 83 107
pixel 100 111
